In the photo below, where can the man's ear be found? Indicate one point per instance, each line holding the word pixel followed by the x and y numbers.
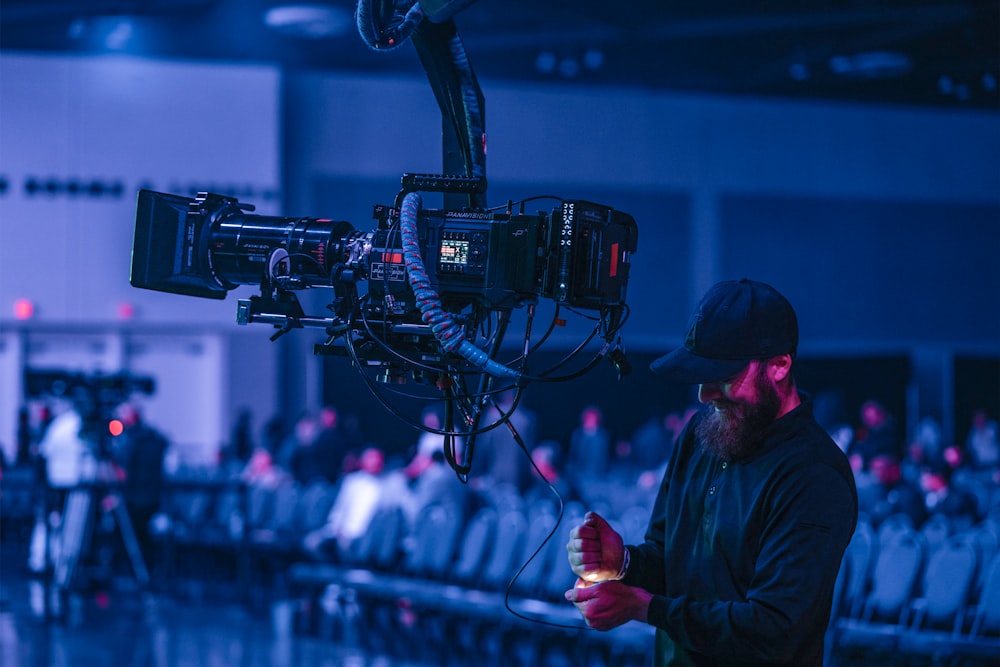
pixel 779 368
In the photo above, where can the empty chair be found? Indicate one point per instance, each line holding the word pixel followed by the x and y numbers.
pixel 380 546
pixel 279 527
pixel 434 541
pixel 859 560
pixel 947 582
pixel 511 529
pixel 975 637
pixel 985 623
pixel 879 626
pixel 984 542
pixel 478 539
pixel 533 566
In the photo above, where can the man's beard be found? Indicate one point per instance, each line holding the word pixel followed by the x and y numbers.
pixel 735 432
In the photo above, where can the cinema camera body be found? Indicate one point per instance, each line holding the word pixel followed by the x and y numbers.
pixel 473 264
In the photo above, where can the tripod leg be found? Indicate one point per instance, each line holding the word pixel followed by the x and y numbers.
pixel 77 520
pixel 131 543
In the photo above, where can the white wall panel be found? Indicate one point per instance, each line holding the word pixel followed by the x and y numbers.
pixel 89 132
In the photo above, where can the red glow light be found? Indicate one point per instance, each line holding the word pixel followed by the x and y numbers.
pixel 116 427
pixel 24 309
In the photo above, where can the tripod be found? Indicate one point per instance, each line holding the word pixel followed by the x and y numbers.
pixel 81 509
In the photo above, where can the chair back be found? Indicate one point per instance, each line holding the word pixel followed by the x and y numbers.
pixel 380 545
pixel 947 581
pixel 479 537
pixel 260 504
pixel 511 530
pixel 987 618
pixel 286 503
pixel 533 565
pixel 314 506
pixel 434 544
pixel 896 573
pixel 856 567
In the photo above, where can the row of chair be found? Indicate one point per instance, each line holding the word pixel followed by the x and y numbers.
pixel 923 594
pixel 498 577
pixel 499 573
pixel 226 528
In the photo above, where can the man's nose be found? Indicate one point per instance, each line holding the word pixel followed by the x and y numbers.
pixel 709 392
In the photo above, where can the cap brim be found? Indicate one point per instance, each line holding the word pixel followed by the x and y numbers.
pixel 683 367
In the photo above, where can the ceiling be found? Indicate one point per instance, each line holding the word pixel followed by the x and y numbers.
pixel 899 52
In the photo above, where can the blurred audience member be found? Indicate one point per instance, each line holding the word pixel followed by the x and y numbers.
pixel 893 494
pixel 547 458
pixel 238 450
pixel 273 434
pixel 262 470
pixel 25 454
pixel 331 447
pixel 498 459
pixel 431 481
pixel 983 442
pixel 876 436
pixel 359 496
pixel 652 442
pixel 68 461
pixel 68 458
pixel 139 453
pixel 299 455
pixel 430 442
pixel 942 497
pixel 589 447
pixel 927 446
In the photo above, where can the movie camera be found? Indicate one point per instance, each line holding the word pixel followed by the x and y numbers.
pixel 426 296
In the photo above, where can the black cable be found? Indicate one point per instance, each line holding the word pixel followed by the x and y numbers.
pixel 551 534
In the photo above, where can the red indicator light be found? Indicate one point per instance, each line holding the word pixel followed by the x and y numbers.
pixel 115 427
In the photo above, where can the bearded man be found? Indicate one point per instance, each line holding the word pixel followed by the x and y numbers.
pixel 753 516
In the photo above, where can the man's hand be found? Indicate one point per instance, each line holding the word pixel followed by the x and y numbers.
pixel 609 604
pixel 596 551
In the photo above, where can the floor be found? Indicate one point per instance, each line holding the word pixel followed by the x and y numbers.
pixel 116 625
pixel 123 627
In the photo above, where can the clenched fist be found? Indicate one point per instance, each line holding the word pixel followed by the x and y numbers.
pixel 596 551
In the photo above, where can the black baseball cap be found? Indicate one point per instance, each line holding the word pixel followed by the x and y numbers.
pixel 736 322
